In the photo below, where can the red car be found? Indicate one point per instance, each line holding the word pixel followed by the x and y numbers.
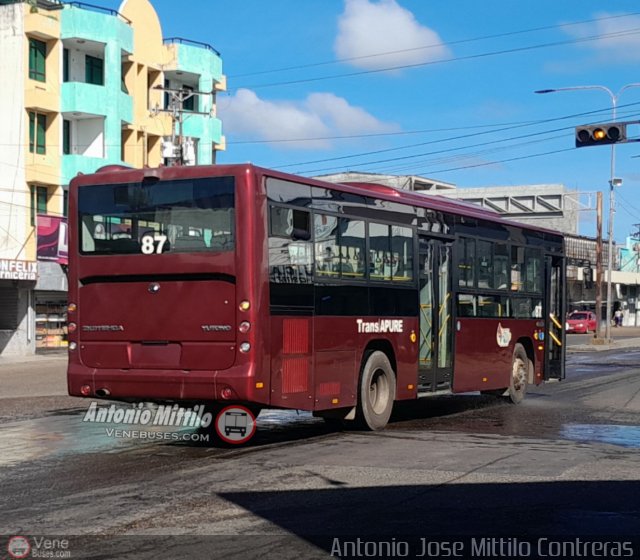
pixel 581 322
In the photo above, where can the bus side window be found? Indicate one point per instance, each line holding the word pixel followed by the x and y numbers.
pixel 517 269
pixel 466 305
pixel 501 266
pixel 402 255
pixel 290 248
pixel 485 264
pixel 466 262
pixel 380 251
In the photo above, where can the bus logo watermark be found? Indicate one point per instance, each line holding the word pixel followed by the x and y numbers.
pixel 165 415
pixel 18 547
pixel 38 547
pixel 235 424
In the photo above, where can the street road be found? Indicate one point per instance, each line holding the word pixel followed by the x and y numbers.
pixel 565 462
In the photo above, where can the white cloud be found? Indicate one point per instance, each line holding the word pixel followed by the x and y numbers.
pixel 367 27
pixel 620 41
pixel 320 115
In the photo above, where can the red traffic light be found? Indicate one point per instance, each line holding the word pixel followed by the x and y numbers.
pixel 593 135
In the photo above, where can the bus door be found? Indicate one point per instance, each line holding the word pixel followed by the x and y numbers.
pixel 555 282
pixel 435 364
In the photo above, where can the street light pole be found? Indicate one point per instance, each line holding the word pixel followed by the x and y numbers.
pixel 613 182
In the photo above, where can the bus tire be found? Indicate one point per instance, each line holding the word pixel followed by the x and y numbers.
pixel 519 374
pixel 376 392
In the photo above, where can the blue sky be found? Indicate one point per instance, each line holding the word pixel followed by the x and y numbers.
pixel 437 88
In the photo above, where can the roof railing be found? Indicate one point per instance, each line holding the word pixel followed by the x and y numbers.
pixel 190 42
pixel 44 4
pixel 94 8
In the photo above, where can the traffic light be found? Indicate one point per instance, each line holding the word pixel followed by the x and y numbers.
pixel 600 134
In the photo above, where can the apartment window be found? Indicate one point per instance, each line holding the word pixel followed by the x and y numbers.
pixel 66 137
pixel 37 133
pixel 189 103
pixel 167 95
pixel 123 82
pixel 65 203
pixel 65 65
pixel 39 198
pixel 37 60
pixel 94 70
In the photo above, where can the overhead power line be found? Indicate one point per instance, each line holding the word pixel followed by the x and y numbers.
pixel 437 45
pixel 459 137
pixel 617 34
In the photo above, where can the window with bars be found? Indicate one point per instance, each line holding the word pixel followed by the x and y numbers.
pixel 37 60
pixel 37 133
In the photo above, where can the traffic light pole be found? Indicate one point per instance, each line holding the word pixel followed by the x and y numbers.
pixel 599 266
pixel 613 182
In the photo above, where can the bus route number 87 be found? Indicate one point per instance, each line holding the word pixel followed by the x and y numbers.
pixel 150 244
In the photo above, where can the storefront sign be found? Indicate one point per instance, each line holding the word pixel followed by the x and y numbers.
pixel 52 239
pixel 18 270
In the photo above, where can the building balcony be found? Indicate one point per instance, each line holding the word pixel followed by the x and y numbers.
pixel 74 164
pixel 79 97
pixel 91 99
pixel 196 58
pixel 93 23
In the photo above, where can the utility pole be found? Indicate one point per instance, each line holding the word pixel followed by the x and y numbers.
pixel 598 334
pixel 176 107
pixel 177 111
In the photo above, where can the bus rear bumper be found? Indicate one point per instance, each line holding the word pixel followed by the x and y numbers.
pixel 234 384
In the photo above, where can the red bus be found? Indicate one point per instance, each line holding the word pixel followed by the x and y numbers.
pixel 237 284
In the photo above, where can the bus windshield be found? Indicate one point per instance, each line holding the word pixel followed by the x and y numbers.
pixel 157 217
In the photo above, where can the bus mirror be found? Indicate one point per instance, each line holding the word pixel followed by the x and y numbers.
pixel 299 234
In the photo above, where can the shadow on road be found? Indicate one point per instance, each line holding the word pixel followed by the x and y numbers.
pixel 514 520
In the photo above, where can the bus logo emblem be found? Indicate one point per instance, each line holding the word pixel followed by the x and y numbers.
pixel 503 336
pixel 235 424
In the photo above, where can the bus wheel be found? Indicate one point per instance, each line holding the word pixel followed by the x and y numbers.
pixel 376 392
pixel 519 374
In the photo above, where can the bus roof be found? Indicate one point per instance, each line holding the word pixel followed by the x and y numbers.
pixel 439 203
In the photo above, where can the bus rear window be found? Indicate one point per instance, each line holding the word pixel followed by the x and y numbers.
pixel 182 216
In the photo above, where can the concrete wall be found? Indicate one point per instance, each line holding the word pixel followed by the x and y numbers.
pixel 526 203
